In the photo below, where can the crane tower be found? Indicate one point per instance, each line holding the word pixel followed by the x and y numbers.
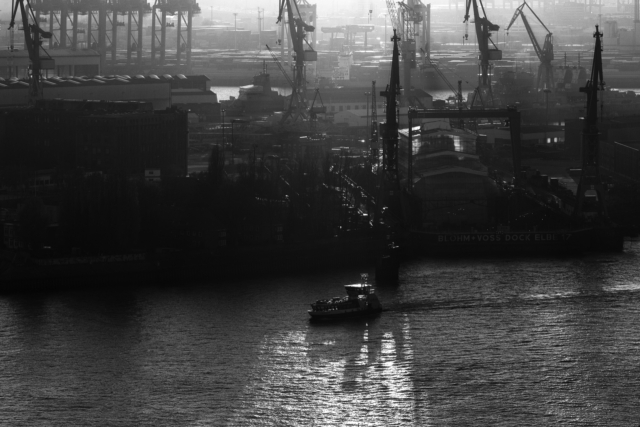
pixel 544 53
pixel 483 32
pixel 298 30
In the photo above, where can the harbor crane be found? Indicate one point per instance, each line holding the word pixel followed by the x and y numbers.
pixel 590 179
pixel 483 33
pixel 456 92
pixel 33 36
pixel 298 30
pixel 390 194
pixel 389 129
pixel 544 53
pixel 407 20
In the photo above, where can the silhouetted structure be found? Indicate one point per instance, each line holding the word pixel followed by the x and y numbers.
pixel 110 137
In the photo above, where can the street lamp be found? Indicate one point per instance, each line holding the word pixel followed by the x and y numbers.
pixel 367 127
pixel 235 30
pixel 546 91
pixel 223 139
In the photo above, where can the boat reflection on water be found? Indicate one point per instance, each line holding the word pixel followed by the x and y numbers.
pixel 360 302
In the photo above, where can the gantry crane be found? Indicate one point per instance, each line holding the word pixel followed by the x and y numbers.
pixel 483 33
pixel 298 30
pixel 33 36
pixel 544 53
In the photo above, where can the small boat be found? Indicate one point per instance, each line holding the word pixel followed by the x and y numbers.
pixel 360 302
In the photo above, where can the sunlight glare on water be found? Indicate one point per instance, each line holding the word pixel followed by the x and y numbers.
pixel 466 342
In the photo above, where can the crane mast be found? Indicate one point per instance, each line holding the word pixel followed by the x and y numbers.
pixel 407 20
pixel 33 36
pixel 297 30
pixel 483 32
pixel 590 176
pixel 389 129
pixel 544 53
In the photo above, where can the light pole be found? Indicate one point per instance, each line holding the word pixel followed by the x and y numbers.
pixel 235 30
pixel 546 91
pixel 211 7
pixel 367 126
pixel 224 143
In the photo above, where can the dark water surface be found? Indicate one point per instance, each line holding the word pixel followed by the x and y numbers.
pixel 462 343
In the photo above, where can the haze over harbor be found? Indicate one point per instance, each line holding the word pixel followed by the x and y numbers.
pixel 188 191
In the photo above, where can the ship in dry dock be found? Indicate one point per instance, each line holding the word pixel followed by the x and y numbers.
pixel 459 196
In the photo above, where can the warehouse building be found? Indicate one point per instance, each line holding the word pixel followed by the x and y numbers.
pixel 93 136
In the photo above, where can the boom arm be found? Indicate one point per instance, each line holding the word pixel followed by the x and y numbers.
pixel 544 53
pixel 393 16
pixel 297 30
pixel 32 39
pixel 483 32
pixel 282 70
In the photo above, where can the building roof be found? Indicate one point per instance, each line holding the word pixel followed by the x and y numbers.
pixel 85 107
pixel 119 80
pixel 61 57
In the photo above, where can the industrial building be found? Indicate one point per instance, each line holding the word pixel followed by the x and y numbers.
pixel 186 92
pixel 93 136
pixel 67 63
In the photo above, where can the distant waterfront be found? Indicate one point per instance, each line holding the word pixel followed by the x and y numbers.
pixel 225 92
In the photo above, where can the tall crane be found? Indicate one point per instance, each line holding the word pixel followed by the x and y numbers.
pixel 590 176
pixel 457 93
pixel 483 33
pixel 544 53
pixel 390 195
pixel 389 129
pixel 282 70
pixel 407 20
pixel 33 36
pixel 298 30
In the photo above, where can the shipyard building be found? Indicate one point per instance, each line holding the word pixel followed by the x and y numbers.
pixel 94 136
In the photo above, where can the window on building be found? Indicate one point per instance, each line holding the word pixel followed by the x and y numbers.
pixel 333 108
pixel 341 108
pixel 348 107
pixel 356 107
